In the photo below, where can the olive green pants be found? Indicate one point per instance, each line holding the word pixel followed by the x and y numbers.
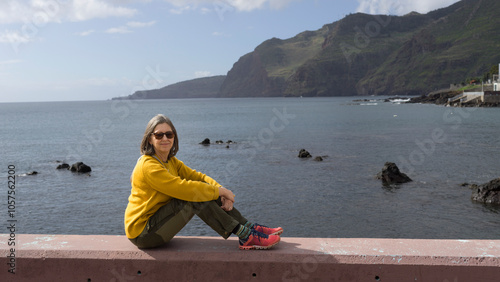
pixel 173 216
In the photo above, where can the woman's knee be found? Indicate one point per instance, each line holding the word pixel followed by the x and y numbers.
pixel 149 241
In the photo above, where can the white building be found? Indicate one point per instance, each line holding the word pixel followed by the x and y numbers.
pixel 496 83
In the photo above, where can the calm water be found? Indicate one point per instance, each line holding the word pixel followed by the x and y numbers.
pixel 438 147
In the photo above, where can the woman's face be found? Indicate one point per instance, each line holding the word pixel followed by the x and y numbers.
pixel 162 146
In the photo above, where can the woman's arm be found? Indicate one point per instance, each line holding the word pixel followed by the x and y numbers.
pixel 188 173
pixel 155 176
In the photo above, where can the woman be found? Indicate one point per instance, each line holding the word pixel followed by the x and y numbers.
pixel 166 194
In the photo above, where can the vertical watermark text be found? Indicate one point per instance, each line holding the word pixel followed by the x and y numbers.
pixel 11 222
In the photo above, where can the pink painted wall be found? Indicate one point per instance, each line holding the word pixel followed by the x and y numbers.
pixel 114 258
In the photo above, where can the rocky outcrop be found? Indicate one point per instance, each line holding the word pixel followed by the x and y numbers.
pixel 304 154
pixel 249 78
pixel 80 167
pixel 63 166
pixel 488 193
pixel 390 174
pixel 438 98
pixel 206 141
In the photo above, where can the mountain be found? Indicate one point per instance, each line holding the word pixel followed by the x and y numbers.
pixel 362 54
pixel 374 55
pixel 205 87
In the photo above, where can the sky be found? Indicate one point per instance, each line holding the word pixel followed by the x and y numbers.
pixel 72 50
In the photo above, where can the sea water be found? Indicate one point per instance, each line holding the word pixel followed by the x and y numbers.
pixel 438 147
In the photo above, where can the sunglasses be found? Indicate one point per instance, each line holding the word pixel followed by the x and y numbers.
pixel 159 135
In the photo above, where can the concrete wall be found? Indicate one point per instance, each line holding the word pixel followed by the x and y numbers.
pixel 492 96
pixel 114 258
pixel 469 96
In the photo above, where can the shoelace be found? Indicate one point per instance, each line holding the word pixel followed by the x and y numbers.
pixel 258 225
pixel 255 234
pixel 259 235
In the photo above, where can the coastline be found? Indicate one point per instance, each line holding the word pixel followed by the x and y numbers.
pixel 442 98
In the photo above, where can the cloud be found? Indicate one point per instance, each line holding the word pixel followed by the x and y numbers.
pixel 243 5
pixel 82 10
pixel 140 24
pixel 180 10
pixel 12 11
pixel 401 7
pixel 199 74
pixel 205 11
pixel 86 33
pixel 40 12
pixel 126 28
pixel 46 11
pixel 226 5
pixel 120 29
pixel 14 37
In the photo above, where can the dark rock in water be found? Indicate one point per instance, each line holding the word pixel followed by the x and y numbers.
pixel 318 159
pixel 205 142
pixel 488 193
pixel 304 154
pixel 32 173
pixel 390 174
pixel 80 167
pixel 63 166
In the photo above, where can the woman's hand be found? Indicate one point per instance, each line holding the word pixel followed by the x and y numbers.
pixel 226 204
pixel 227 198
pixel 226 193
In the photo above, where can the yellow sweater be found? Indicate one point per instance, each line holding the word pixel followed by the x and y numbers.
pixel 153 186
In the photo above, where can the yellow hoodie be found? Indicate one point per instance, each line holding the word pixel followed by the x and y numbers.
pixel 154 184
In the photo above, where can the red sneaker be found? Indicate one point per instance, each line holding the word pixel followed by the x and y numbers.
pixel 267 230
pixel 259 241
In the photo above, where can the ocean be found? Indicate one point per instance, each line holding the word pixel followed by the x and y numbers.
pixel 438 147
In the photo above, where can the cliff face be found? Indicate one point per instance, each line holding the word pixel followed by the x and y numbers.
pixel 265 71
pixel 248 78
pixel 374 55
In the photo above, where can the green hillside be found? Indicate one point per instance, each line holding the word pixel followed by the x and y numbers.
pixel 463 41
pixel 374 55
pixel 206 87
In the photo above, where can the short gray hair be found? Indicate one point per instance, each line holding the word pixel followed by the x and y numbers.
pixel 147 148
